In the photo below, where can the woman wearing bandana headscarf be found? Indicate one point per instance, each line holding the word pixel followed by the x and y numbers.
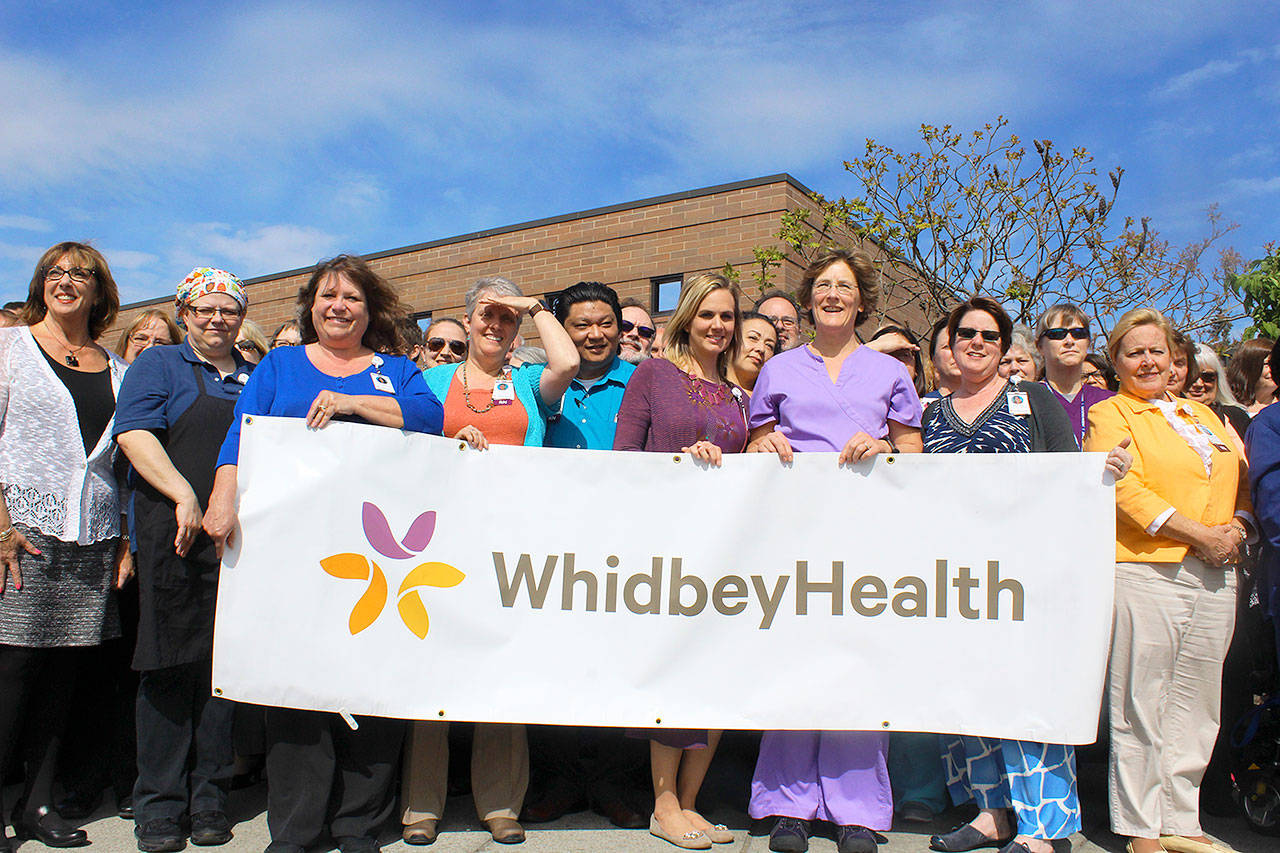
pixel 175 406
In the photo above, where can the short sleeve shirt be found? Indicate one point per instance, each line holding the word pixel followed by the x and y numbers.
pixel 588 416
pixel 160 386
pixel 816 414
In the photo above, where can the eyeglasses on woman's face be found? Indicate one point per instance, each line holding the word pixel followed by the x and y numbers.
pixel 79 275
pixel 205 312
pixel 249 347
pixel 1205 377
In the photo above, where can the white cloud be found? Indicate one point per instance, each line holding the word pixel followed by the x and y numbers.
pixel 21 222
pixel 1237 187
pixel 1211 70
pixel 252 251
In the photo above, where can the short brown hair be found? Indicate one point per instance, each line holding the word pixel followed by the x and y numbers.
pixel 1131 320
pixel 383 304
pixel 1246 366
pixel 989 306
pixel 106 299
pixel 864 271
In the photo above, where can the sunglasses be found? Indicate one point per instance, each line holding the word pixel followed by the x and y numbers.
pixel 1207 377
pixel 964 333
pixel 455 347
pixel 1079 333
pixel 643 331
pixel 248 346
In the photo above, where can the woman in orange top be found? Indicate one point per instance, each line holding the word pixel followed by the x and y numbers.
pixel 1182 515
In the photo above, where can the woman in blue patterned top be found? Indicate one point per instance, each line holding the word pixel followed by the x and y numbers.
pixel 989 414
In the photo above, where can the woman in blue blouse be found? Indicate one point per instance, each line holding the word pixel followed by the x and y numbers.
pixel 344 371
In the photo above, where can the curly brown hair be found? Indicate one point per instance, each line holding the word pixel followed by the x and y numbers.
pixel 385 310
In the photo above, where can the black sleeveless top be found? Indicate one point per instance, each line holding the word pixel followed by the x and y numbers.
pixel 93 397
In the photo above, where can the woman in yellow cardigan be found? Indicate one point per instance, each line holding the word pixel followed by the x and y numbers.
pixel 1182 515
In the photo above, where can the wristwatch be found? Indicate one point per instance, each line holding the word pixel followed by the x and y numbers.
pixel 536 307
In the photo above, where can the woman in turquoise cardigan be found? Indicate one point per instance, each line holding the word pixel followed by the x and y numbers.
pixel 487 402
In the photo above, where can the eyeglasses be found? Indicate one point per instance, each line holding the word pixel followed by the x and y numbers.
pixel 248 346
pixel 455 347
pixel 1079 333
pixel 785 322
pixel 1205 377
pixel 77 274
pixel 964 333
pixel 206 313
pixel 643 331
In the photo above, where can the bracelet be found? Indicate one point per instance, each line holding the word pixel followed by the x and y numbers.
pixel 6 535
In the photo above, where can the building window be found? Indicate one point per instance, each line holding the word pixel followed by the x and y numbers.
pixel 423 319
pixel 664 293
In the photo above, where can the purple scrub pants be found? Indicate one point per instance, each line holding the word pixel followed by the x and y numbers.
pixel 842 777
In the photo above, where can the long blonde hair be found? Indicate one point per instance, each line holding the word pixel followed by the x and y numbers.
pixel 675 348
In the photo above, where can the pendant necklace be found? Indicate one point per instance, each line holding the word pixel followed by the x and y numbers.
pixel 466 394
pixel 70 357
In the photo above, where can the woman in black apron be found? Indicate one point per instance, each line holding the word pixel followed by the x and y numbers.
pixel 175 406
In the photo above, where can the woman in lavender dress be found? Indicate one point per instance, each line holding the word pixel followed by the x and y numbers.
pixel 684 403
pixel 834 395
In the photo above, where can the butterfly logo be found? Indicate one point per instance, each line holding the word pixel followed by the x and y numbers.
pixel 349 566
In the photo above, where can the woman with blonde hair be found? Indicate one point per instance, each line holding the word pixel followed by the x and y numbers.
pixel 685 403
pixel 152 327
pixel 1182 518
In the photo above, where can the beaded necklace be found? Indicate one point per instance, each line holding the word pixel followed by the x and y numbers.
pixel 466 391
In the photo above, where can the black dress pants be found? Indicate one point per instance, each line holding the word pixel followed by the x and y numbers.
pixel 320 771
pixel 35 688
pixel 185 759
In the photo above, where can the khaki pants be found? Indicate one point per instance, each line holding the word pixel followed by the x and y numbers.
pixel 1173 623
pixel 499 770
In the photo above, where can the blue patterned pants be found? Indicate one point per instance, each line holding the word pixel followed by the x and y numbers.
pixel 1036 780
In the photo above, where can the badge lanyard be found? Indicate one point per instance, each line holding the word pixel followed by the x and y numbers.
pixel 381 382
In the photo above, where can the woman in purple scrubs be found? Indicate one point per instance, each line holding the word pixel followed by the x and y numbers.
pixel 836 395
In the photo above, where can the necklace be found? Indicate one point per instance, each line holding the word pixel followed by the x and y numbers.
pixel 466 394
pixel 70 357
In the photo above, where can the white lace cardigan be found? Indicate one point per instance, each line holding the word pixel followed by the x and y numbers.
pixel 48 483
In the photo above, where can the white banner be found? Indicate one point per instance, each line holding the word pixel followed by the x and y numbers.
pixel 400 575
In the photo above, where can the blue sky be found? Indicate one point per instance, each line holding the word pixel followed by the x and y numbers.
pixel 262 137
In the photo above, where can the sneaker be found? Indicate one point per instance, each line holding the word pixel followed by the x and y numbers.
pixel 789 835
pixel 210 828
pixel 855 839
pixel 162 835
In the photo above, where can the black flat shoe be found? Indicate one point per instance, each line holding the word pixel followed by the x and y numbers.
pixel 965 838
pixel 124 807
pixel 78 806
pixel 45 826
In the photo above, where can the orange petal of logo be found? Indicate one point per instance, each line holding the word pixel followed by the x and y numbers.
pixel 351 567
pixel 370 604
pixel 357 568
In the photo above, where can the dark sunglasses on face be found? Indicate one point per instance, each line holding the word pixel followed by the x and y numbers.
pixel 1207 377
pixel 455 347
pixel 964 333
pixel 248 346
pixel 1079 333
pixel 642 331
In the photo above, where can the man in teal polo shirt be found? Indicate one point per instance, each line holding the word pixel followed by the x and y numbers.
pixel 588 412
pixel 579 767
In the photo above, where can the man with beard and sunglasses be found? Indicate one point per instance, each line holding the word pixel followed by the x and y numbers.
pixel 638 331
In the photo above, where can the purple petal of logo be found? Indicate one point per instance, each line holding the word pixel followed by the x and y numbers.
pixel 420 532
pixel 378 532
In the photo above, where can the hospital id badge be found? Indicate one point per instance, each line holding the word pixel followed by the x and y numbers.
pixel 504 392
pixel 1218 443
pixel 1018 403
pixel 383 383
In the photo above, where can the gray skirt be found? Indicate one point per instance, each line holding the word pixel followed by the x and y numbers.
pixel 66 597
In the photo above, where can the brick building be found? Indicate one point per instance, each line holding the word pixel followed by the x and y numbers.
pixel 641 248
